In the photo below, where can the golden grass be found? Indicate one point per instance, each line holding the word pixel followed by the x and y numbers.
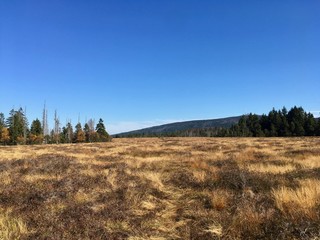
pixel 301 201
pixel 117 226
pixel 154 177
pixel 82 197
pixel 111 177
pixel 10 227
pixel 5 178
pixel 249 220
pixel 215 229
pixel 199 175
pixel 55 208
pixel 271 168
pixel 162 188
pixel 220 199
pixel 38 177
pixel 309 162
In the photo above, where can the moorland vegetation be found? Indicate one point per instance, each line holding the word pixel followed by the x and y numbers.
pixel 162 188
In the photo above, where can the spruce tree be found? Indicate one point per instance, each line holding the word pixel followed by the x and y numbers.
pixel 318 127
pixel 64 135
pixel 36 132
pixel 86 130
pixel 284 127
pixel 2 120
pixel 254 125
pixel 17 123
pixel 310 125
pixel 296 119
pixel 101 131
pixel 36 128
pixel 2 123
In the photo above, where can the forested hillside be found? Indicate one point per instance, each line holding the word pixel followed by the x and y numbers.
pixel 277 123
pixel 179 128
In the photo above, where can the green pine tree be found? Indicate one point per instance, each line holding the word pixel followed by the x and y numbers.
pixel 35 136
pixel 36 128
pixel 101 131
pixel 310 125
pixel 17 123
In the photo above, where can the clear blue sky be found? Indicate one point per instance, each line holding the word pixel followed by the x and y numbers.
pixel 140 63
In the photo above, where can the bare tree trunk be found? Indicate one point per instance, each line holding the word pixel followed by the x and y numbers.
pixel 45 124
pixel 25 126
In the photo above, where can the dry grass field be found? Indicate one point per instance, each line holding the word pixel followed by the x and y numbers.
pixel 162 188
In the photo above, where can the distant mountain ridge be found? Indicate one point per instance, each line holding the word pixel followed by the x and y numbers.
pixel 181 126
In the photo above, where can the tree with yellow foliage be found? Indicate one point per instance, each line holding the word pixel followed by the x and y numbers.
pixel 4 132
pixel 79 134
pixel 4 136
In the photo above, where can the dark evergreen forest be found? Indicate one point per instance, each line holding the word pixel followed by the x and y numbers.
pixel 277 123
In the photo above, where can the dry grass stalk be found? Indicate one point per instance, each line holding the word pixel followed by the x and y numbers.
pixel 301 201
pixel 199 176
pixel 220 199
pixel 11 228
pixel 270 168
pixel 215 229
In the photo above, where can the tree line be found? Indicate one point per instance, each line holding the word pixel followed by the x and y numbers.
pixel 277 123
pixel 282 123
pixel 15 130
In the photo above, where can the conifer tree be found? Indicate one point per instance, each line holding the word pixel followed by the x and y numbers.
pixel 310 125
pixel 318 127
pixel 296 119
pixel 17 123
pixel 2 120
pixel 36 128
pixel 64 135
pixel 2 123
pixel 101 131
pixel 254 125
pixel 36 132
pixel 86 130
pixel 284 127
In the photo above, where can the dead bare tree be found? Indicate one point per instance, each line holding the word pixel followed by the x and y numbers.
pixel 45 124
pixel 25 126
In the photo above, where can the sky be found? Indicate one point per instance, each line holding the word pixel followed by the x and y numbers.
pixel 142 63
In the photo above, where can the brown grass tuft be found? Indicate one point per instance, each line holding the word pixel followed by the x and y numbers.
pixel 220 199
pixel 301 201
pixel 11 227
